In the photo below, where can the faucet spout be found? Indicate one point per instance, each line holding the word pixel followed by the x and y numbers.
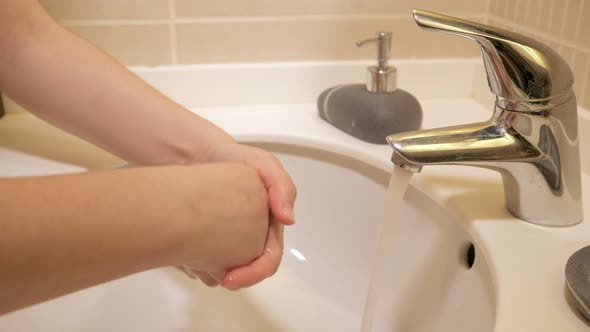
pixel 478 144
pixel 536 154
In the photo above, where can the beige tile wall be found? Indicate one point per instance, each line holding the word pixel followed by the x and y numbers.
pixel 156 32
pixel 160 32
pixel 562 24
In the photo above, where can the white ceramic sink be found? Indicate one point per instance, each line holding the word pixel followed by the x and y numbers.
pixel 323 280
pixel 338 212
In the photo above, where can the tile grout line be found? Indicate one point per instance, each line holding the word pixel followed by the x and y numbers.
pixel 114 22
pixel 539 16
pixel 574 56
pixel 552 17
pixel 246 19
pixel 526 8
pixel 172 30
pixel 544 35
pixel 579 21
pixel 506 9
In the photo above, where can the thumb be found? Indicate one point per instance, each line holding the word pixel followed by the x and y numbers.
pixel 280 187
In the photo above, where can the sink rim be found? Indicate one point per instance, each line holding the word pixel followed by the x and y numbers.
pixel 507 278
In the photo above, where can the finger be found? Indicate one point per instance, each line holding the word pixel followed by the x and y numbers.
pixel 217 275
pixel 187 271
pixel 281 189
pixel 282 202
pixel 262 267
pixel 207 279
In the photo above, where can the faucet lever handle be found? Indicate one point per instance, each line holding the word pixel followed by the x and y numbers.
pixel 520 69
pixel 383 40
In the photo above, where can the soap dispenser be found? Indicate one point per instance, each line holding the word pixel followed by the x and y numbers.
pixel 374 110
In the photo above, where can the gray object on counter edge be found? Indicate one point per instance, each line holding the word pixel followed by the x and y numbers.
pixel 369 116
pixel 577 279
pixel 374 110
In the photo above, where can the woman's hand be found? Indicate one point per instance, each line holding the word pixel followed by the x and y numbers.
pixel 281 199
pixel 64 233
pixel 119 112
pixel 280 187
pixel 232 209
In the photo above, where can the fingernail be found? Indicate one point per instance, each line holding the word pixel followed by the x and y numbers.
pixel 268 251
pixel 227 282
pixel 231 287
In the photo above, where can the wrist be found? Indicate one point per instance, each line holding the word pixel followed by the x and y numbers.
pixel 201 142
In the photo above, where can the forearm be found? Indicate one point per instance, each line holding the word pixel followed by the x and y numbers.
pixel 60 234
pixel 71 84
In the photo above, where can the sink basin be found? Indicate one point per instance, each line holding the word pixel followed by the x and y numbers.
pixel 442 282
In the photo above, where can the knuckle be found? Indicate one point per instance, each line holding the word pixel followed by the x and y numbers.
pixel 268 157
pixel 274 159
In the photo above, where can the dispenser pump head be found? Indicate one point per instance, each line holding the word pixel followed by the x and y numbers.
pixel 381 78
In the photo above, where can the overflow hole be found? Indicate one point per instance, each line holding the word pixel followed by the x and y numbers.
pixel 470 256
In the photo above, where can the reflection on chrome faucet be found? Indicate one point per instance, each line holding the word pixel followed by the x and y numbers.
pixel 532 136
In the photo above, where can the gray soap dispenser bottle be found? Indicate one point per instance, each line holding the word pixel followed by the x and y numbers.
pixel 374 110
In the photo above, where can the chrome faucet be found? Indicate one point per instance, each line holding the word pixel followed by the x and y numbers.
pixel 532 137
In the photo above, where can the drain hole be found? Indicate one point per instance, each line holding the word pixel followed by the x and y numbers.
pixel 470 256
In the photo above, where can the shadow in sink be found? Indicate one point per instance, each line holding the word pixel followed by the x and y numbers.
pixel 324 277
pixel 240 310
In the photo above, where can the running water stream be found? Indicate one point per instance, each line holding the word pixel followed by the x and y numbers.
pixel 382 269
